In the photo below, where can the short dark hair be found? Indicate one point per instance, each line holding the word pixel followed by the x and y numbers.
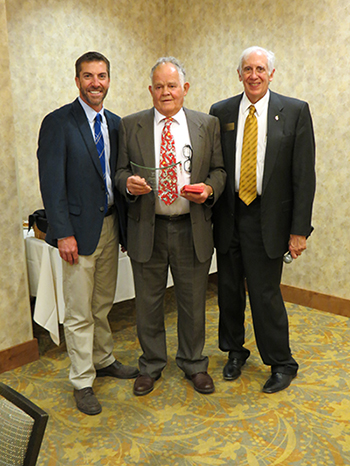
pixel 89 57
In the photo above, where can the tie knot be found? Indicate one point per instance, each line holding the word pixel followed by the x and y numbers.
pixel 251 110
pixel 168 122
pixel 98 117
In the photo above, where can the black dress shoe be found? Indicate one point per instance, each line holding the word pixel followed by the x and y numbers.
pixel 144 384
pixel 202 382
pixel 232 369
pixel 86 401
pixel 277 382
pixel 118 370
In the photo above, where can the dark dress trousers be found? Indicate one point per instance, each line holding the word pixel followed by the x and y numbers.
pixel 251 240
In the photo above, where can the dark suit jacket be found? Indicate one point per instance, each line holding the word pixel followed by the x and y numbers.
pixel 136 143
pixel 289 173
pixel 71 178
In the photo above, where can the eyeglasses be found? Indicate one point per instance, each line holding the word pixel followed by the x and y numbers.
pixel 187 152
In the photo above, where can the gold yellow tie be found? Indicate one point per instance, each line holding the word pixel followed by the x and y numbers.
pixel 247 182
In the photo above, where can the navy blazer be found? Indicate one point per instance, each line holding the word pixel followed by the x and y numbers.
pixel 289 173
pixel 71 177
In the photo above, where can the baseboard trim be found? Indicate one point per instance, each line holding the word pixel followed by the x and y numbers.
pixel 19 355
pixel 315 300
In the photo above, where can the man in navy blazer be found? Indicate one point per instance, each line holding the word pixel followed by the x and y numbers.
pixel 84 213
pixel 252 239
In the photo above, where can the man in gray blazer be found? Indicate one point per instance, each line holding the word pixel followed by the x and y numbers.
pixel 83 208
pixel 251 237
pixel 176 232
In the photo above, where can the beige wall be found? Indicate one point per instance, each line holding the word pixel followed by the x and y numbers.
pixel 15 315
pixel 310 40
pixel 45 39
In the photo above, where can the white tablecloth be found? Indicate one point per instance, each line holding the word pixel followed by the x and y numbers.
pixel 45 282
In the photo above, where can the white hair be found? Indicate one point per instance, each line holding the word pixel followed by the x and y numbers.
pixel 173 61
pixel 269 55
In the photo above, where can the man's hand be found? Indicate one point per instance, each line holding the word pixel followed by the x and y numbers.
pixel 198 198
pixel 297 244
pixel 68 249
pixel 137 186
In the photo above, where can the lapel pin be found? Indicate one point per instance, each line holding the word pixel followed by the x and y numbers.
pixel 277 117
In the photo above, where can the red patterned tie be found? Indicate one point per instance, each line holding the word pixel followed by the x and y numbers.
pixel 167 183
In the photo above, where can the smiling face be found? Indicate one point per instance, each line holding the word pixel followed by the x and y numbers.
pixel 93 83
pixel 167 91
pixel 255 76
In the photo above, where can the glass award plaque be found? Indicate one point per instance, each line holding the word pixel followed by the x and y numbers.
pixel 151 174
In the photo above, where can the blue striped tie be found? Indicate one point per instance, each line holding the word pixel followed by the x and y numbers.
pixel 100 146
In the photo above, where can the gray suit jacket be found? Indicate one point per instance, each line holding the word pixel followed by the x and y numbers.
pixel 136 144
pixel 289 173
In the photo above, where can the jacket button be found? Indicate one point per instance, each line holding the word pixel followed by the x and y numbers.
pixel 102 209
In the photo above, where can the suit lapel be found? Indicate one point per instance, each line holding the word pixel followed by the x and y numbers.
pixel 229 137
pixel 195 129
pixel 112 143
pixel 85 130
pixel 145 138
pixel 275 125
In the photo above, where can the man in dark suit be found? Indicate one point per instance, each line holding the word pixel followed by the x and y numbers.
pixel 170 226
pixel 77 160
pixel 264 212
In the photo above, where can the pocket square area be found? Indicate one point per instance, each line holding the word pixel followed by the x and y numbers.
pixel 229 126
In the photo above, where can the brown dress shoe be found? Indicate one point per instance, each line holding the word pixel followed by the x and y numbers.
pixel 86 401
pixel 144 384
pixel 118 370
pixel 202 382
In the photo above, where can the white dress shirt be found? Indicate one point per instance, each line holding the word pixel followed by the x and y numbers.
pixel 179 130
pixel 261 108
pixel 90 115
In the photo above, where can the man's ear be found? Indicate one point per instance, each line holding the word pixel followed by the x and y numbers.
pixel 186 87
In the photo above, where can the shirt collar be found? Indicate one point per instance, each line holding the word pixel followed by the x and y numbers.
pixel 90 112
pixel 259 106
pixel 179 118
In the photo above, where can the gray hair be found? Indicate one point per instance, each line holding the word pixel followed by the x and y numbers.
pixel 173 61
pixel 269 55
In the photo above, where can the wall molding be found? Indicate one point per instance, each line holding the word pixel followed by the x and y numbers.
pixel 27 352
pixel 19 355
pixel 315 300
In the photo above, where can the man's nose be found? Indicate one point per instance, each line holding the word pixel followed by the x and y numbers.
pixel 95 81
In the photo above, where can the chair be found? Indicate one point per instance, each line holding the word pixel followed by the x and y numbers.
pixel 22 427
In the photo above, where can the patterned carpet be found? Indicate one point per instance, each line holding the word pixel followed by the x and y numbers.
pixel 307 424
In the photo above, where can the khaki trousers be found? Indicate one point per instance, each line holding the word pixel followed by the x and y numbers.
pixel 89 290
